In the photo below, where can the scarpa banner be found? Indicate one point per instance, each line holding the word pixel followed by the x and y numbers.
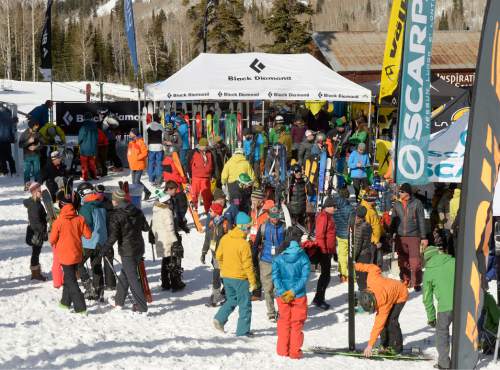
pixel 415 101
pixel 70 116
pixel 393 49
pixel 446 115
pixel 130 32
pixel 481 163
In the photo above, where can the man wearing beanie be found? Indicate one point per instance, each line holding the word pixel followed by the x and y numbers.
pixel 326 240
pixel 439 281
pixel 408 223
pixel 201 170
pixel 358 164
pixel 343 213
pixel 126 224
pixel 235 260
pixel 362 248
pixel 215 230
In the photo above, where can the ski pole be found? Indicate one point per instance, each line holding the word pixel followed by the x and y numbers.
pixel 153 251
pixel 117 278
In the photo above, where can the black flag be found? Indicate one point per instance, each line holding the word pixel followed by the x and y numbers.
pixel 46 45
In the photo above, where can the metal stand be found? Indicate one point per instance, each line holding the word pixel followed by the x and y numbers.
pixel 351 313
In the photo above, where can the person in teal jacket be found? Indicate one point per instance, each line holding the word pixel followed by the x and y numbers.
pixel 87 140
pixel 290 272
pixel 438 282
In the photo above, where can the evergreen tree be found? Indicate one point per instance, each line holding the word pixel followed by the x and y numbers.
pixel 443 24
pixel 290 34
pixel 227 29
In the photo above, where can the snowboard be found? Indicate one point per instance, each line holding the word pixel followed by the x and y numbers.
pixel 210 127
pixel 406 355
pixel 199 126
pixel 49 206
pixel 311 170
pixel 239 126
pixel 215 124
pixel 322 172
pixel 191 207
pixel 144 281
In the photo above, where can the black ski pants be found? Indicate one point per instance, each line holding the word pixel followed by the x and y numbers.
pixel 97 278
pixel 129 277
pixel 391 335
pixel 109 273
pixel 325 261
pixel 71 291
pixel 6 158
pixel 35 255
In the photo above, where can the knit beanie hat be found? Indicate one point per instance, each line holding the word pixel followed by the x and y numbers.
pixel 361 212
pixel 257 194
pixel 242 219
pixel 329 202
pixel 406 188
pixel 219 194
pixel 119 195
pixel 217 209
pixel 203 142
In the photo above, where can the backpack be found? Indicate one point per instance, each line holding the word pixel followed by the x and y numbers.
pixel 99 230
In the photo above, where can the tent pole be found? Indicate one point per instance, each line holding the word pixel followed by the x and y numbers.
pixel 248 115
pixel 263 104
pixel 370 114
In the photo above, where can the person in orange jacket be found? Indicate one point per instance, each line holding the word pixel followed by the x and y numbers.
pixel 66 239
pixel 387 297
pixel 137 155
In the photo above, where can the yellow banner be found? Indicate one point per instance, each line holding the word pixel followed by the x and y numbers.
pixel 393 49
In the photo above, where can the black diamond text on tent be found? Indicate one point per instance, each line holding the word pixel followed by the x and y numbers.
pixel 257 66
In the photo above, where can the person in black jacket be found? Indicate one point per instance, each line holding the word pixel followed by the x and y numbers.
pixel 362 244
pixel 298 197
pixel 54 173
pixel 7 137
pixel 109 275
pixel 36 232
pixel 126 224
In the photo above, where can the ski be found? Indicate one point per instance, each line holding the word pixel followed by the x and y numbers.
pixel 49 206
pixel 286 215
pixel 144 282
pixel 406 355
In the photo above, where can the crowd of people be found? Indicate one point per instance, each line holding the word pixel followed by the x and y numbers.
pixel 267 223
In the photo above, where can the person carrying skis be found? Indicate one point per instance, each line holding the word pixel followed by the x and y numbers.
pixel 95 216
pixel 137 154
pixel 341 216
pixel 201 169
pixel 362 247
pixel 269 237
pixel 290 274
pixel 234 167
pixel 36 232
pixel 87 140
pixel 305 147
pixel 126 224
pixel 66 238
pixel 439 282
pixel 298 196
pixel 235 260
pixel 217 228
pixel 408 227
pixel 246 185
pixel 387 298
pixel 54 174
pixel 154 135
pixel 29 141
pixel 319 145
pixel 167 239
pixel 326 240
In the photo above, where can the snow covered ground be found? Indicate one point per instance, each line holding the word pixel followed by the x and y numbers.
pixel 177 332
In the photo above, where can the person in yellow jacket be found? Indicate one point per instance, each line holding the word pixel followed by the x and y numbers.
pixel 373 219
pixel 236 268
pixel 137 155
pixel 234 167
pixel 51 134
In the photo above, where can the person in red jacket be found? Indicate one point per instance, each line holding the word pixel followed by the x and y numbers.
pixel 202 168
pixel 326 240
pixel 66 238
pixel 102 151
pixel 170 170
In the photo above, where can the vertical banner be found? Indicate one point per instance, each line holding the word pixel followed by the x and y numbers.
pixel 46 45
pixel 393 49
pixel 415 100
pixel 482 158
pixel 130 32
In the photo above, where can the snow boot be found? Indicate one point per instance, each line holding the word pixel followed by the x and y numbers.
pixel 165 274
pixel 36 273
pixel 177 283
pixel 321 304
pixel 218 326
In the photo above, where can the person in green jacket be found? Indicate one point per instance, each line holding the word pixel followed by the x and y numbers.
pixel 438 282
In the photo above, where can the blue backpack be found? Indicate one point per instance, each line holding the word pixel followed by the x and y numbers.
pixel 99 229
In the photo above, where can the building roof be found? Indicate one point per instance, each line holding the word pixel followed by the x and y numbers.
pixel 364 51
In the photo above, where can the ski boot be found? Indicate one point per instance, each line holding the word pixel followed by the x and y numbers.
pixel 36 273
pixel 216 299
pixel 177 283
pixel 321 304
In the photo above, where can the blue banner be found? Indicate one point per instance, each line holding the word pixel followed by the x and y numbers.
pixel 415 99
pixel 130 32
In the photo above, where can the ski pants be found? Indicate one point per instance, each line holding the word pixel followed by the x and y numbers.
pixel 31 167
pixel 391 335
pixel 129 277
pixel 233 188
pixel 359 184
pixel 6 159
pixel 71 291
pixel 201 185
pixel 154 166
pixel 343 254
pixel 35 255
pixel 325 261
pixel 57 271
pixel 181 206
pixel 113 155
pixel 290 324
pixel 216 278
pixel 256 268
pixel 237 295
pixel 97 278
pixel 88 167
pixel 102 159
pixel 409 259
pixel 136 179
pixel 266 279
pixel 443 322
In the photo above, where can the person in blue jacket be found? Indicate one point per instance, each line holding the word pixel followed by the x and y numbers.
pixel 183 130
pixel 87 139
pixel 290 275
pixel 358 163
pixel 40 113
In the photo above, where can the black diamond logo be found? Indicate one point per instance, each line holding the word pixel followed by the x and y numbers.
pixel 220 94
pixel 320 95
pixel 270 94
pixel 169 95
pixel 257 66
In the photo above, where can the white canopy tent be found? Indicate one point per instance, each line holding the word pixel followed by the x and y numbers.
pixel 256 76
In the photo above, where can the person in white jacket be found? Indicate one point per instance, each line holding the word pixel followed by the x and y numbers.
pixel 168 243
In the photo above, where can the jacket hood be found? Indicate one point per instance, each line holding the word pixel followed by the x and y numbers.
pixel 68 212
pixel 95 199
pixel 28 202
pixel 236 234
pixel 155 126
pixel 131 210
pixel 238 158
pixel 292 253
pixel 437 260
pixel 457 193
pixel 341 202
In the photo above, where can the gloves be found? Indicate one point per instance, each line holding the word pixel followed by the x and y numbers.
pixel 103 252
pixel 202 259
pixel 432 323
pixel 252 288
pixel 288 296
